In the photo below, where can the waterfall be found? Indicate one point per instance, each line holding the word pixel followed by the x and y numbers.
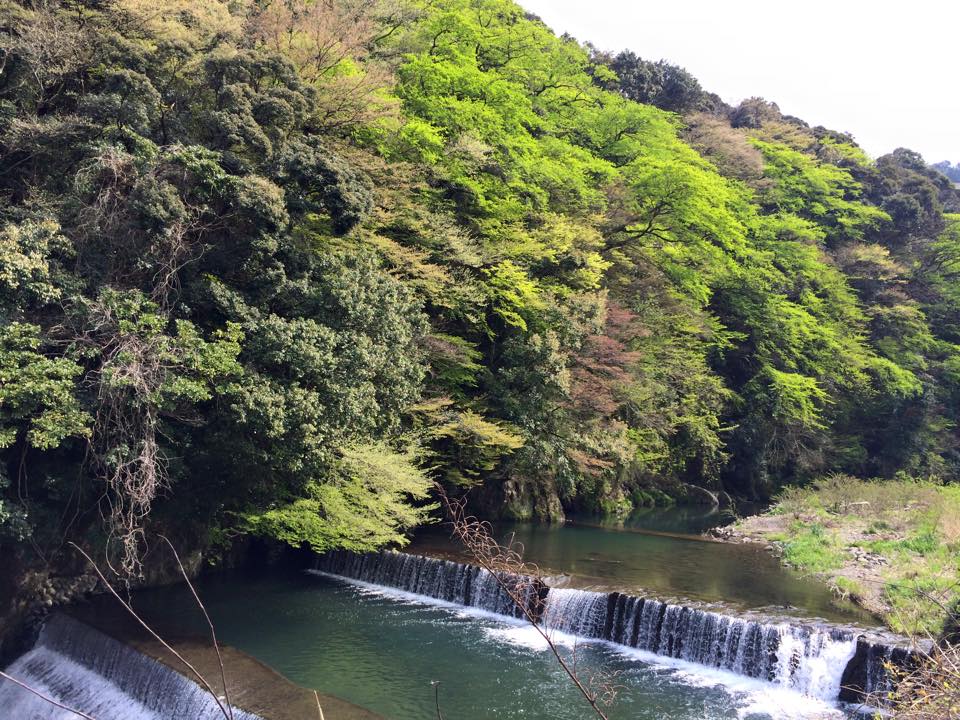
pixel 445 580
pixel 91 672
pixel 867 671
pixel 818 660
pixel 806 660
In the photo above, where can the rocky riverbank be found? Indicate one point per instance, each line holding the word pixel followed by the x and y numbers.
pixel 858 579
pixel 892 548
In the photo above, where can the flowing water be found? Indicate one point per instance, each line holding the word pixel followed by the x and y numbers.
pixel 813 658
pixel 85 670
pixel 382 647
pixel 674 620
pixel 631 558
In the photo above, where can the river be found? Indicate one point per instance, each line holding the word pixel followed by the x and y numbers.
pixel 382 648
pixel 682 628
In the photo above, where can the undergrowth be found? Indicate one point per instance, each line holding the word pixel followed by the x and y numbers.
pixel 897 540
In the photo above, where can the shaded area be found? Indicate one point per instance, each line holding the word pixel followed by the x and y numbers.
pixel 685 519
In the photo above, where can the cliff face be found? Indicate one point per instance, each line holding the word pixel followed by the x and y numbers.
pixel 518 499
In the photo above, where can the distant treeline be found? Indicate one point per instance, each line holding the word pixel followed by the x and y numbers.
pixel 951 171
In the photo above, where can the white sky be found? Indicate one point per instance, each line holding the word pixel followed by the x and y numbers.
pixel 888 72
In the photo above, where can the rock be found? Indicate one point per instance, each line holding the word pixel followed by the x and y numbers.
pixel 697 495
pixel 856 507
pixel 722 533
pixel 724 500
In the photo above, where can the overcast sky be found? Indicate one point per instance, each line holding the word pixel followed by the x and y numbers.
pixel 886 72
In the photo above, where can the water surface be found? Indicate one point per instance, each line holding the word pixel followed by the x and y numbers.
pixel 382 649
pixel 631 558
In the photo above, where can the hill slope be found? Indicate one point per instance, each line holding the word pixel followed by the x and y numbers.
pixel 263 263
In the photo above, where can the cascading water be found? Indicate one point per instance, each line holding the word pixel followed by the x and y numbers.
pixel 867 672
pixel 806 660
pixel 813 660
pixel 91 672
pixel 445 580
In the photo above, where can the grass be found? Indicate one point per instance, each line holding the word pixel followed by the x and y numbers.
pixel 910 527
pixel 848 587
pixel 846 495
pixel 811 547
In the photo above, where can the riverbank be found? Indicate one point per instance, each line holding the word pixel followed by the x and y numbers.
pixel 891 547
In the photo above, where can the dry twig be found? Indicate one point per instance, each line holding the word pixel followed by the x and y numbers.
pixel 520 580
pixel 213 632
pixel 45 697
pixel 133 613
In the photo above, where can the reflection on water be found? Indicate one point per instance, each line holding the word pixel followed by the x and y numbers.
pixel 689 519
pixel 635 557
pixel 382 649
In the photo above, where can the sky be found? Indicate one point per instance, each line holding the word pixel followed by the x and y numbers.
pixel 886 72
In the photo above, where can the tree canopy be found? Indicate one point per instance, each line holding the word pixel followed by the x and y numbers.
pixel 276 267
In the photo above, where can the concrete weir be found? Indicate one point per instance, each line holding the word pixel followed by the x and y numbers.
pixel 817 659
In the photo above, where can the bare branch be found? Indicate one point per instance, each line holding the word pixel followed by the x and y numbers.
pixel 213 632
pixel 516 578
pixel 133 613
pixel 45 697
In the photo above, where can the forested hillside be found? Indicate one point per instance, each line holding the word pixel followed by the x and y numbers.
pixel 272 266
pixel 951 171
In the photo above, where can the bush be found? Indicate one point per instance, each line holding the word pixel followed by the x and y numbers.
pixel 930 691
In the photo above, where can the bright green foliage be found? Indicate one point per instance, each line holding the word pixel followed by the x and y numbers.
pixel 466 445
pixel 26 254
pixel 279 239
pixel 512 293
pixel 37 393
pixel 819 191
pixel 364 505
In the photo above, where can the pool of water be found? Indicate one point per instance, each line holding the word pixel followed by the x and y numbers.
pixel 689 519
pixel 382 649
pixel 635 559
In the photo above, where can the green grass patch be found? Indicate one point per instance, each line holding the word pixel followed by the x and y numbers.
pixel 918 602
pixel 914 525
pixel 848 587
pixel 813 548
pixel 878 526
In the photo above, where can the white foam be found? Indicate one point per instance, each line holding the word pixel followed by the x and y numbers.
pixel 55 675
pixel 405 596
pixel 820 672
pixel 753 697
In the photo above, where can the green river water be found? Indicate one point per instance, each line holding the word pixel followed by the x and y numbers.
pixel 382 649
